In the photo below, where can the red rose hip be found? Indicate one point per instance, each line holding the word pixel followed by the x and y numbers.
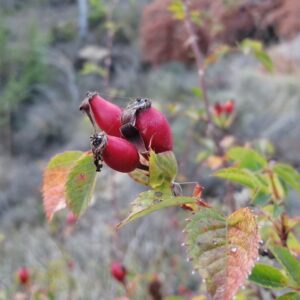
pixel 116 152
pixel 118 271
pixel 229 106
pixel 155 130
pixel 23 276
pixel 140 121
pixel 106 114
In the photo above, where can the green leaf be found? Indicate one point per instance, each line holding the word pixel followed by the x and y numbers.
pixel 54 181
pixel 268 276
pixel 288 261
pixel 80 184
pixel 197 92
pixel 265 60
pixel 140 176
pixel 261 199
pixel 162 169
pixel 289 296
pixel 223 250
pixel 150 201
pixel 289 175
pixel 256 47
pixel 177 9
pixel 247 158
pixel 244 177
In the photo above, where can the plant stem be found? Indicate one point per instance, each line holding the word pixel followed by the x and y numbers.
pixel 198 56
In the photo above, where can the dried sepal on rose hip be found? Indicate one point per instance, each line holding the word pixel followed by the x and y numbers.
pixel 141 119
pixel 117 153
pixel 106 114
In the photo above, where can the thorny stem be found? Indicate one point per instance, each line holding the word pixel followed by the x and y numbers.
pixel 198 56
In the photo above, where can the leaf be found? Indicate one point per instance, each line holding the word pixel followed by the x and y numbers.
pixel 261 199
pixel 256 47
pixel 247 158
pixel 268 276
pixel 162 169
pixel 288 261
pixel 197 92
pixel 265 60
pixel 80 184
pixel 223 250
pixel 244 177
pixel 54 180
pixel 140 176
pixel 177 9
pixel 289 175
pixel 289 296
pixel 150 201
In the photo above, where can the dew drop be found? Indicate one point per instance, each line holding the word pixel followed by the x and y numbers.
pixel 233 249
pixel 182 244
pixel 257 259
pixel 261 242
pixel 193 272
pixel 203 280
pixel 187 219
pixel 183 231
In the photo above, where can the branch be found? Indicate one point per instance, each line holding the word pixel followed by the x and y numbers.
pixel 193 39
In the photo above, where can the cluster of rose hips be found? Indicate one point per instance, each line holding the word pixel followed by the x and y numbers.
pixel 127 134
pixel 226 108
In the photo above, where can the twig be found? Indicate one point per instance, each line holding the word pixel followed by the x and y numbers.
pixel 198 56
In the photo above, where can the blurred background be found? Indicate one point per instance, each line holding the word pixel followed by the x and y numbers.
pixel 53 51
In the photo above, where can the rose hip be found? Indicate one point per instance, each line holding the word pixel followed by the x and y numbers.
pixel 23 276
pixel 155 130
pixel 118 271
pixel 106 114
pixel 116 152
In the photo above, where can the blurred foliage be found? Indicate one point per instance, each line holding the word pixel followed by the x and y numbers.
pixel 21 68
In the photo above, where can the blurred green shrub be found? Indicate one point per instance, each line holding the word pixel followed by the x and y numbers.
pixel 63 32
pixel 21 68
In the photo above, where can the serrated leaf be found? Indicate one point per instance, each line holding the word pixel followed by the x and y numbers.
pixel 289 296
pixel 247 158
pixel 268 276
pixel 223 250
pixel 244 177
pixel 150 201
pixel 80 184
pixel 54 180
pixel 288 261
pixel 162 169
pixel 289 175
